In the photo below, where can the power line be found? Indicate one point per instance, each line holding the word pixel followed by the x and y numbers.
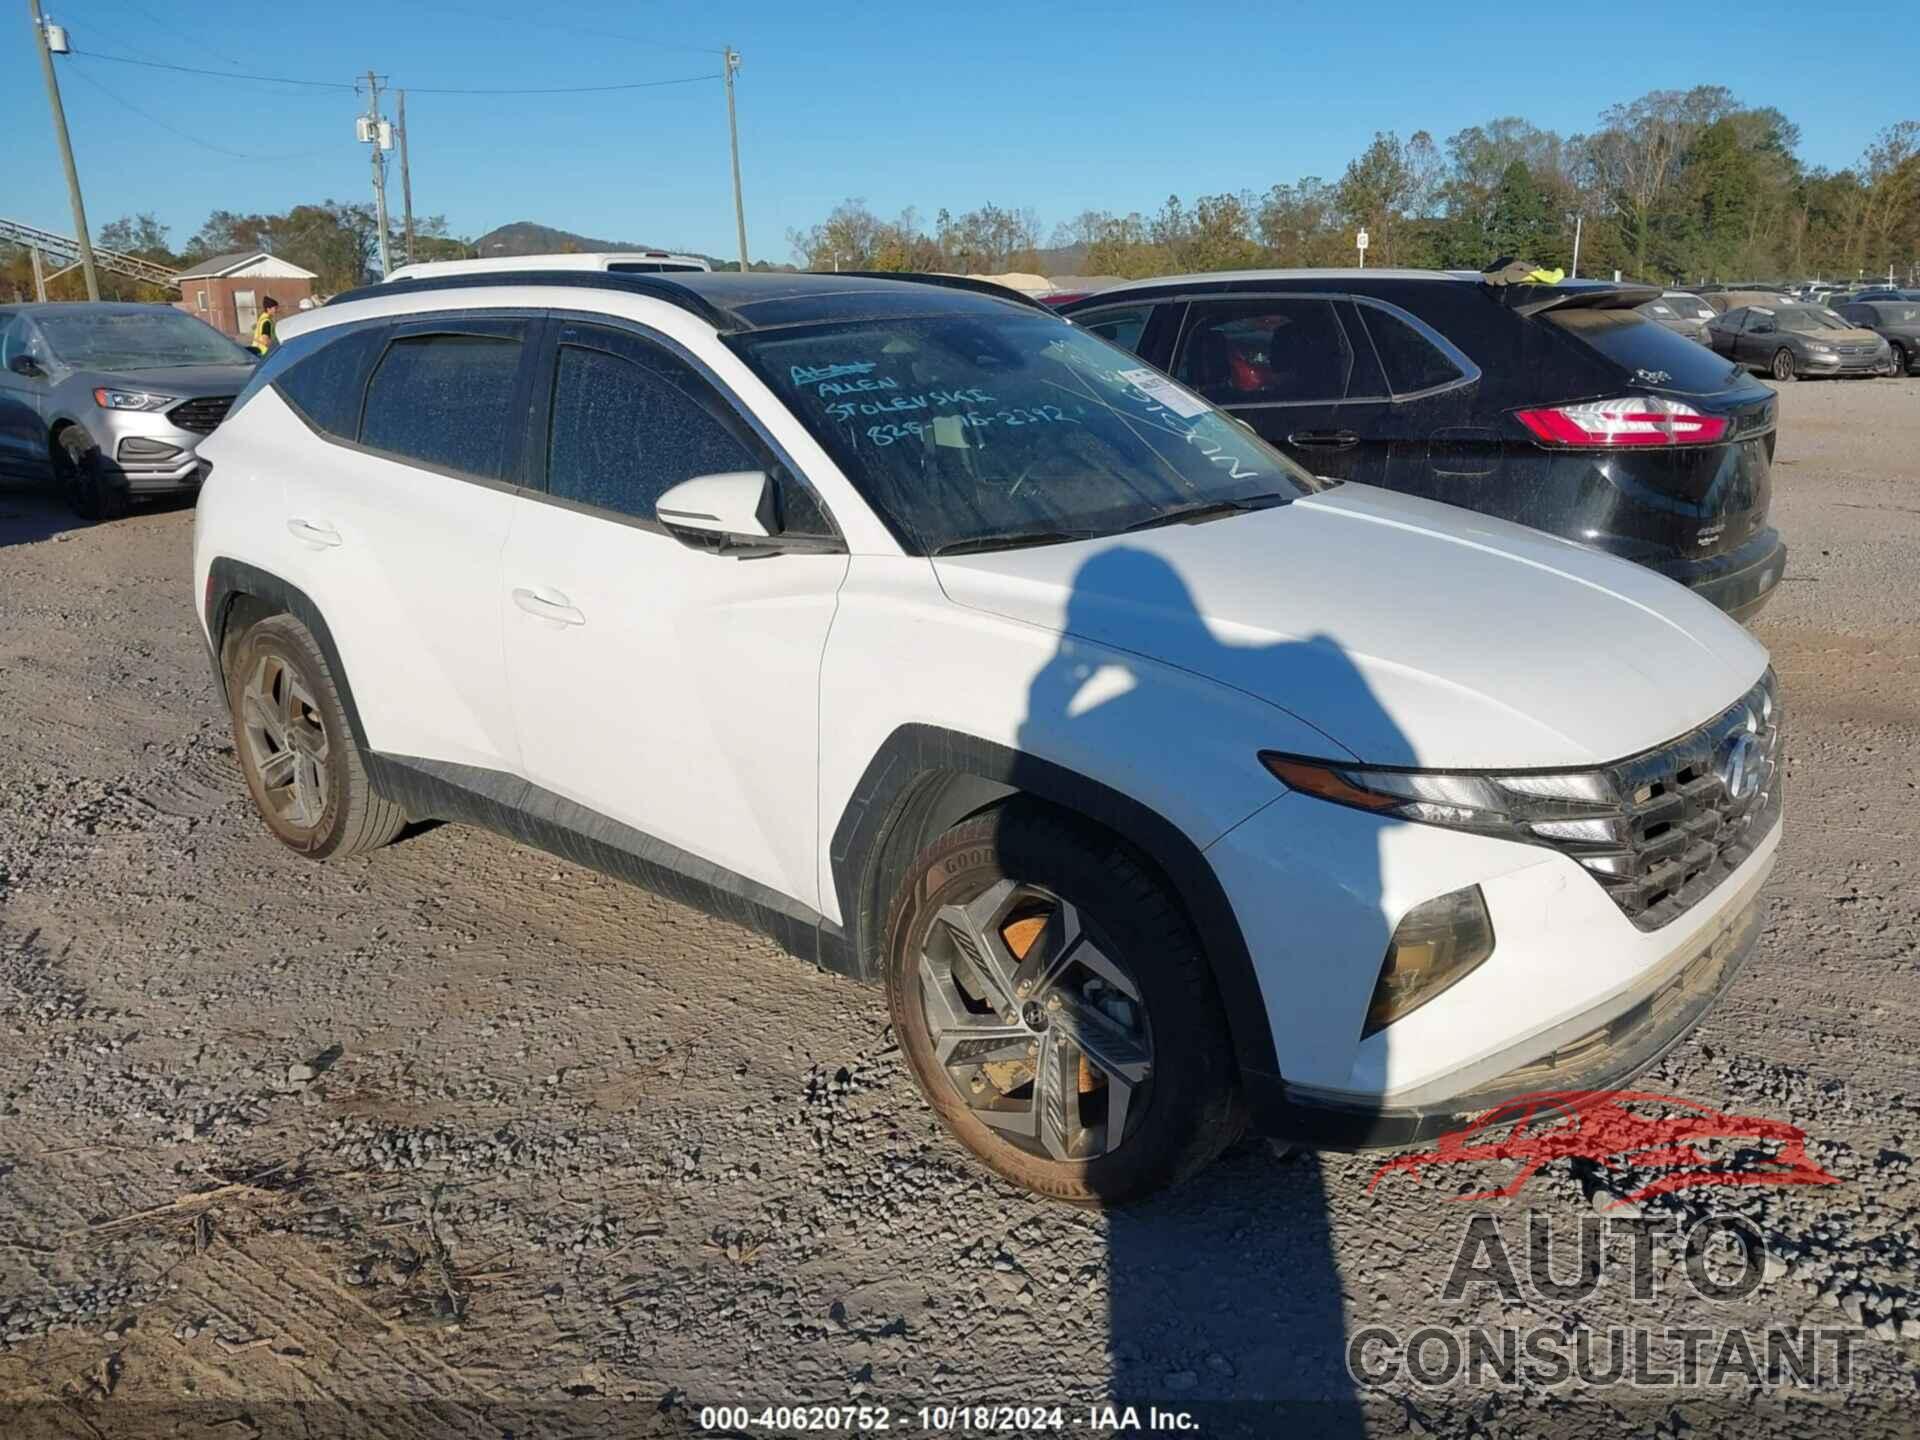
pixel 547 23
pixel 414 89
pixel 566 89
pixel 171 129
pixel 217 74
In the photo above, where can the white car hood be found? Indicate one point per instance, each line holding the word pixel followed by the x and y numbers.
pixel 1406 632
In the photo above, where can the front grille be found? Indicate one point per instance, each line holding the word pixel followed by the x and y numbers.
pixel 1689 812
pixel 1855 352
pixel 201 414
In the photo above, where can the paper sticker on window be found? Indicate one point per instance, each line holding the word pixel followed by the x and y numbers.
pixel 1158 387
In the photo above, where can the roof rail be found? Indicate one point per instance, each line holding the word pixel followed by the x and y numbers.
pixel 658 287
pixel 952 282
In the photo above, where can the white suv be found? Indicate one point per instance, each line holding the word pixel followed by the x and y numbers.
pixel 1164 787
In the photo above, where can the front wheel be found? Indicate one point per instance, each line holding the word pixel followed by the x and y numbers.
pixel 1782 368
pixel 1057 1011
pixel 81 476
pixel 1901 362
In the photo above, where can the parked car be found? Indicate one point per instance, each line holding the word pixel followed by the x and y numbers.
pixel 1161 785
pixel 112 400
pixel 1895 321
pixel 1722 298
pixel 610 262
pixel 1556 406
pixel 1792 342
pixel 1882 292
pixel 1681 313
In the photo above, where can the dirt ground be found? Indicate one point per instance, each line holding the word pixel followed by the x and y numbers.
pixel 458 1139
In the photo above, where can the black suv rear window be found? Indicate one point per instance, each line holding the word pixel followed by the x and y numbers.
pixel 1412 362
pixel 1643 349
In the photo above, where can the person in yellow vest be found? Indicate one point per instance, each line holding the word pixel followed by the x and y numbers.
pixel 264 338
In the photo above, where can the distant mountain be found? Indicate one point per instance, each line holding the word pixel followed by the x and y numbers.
pixel 524 237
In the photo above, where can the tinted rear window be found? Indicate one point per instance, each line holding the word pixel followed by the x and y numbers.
pixel 443 400
pixel 326 377
pixel 1635 344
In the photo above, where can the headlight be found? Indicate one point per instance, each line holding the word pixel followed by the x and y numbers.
pixel 1555 807
pixel 131 400
pixel 1813 349
pixel 1433 946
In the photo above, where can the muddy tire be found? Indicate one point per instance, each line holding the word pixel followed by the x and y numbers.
pixel 82 477
pixel 296 749
pixel 1054 1004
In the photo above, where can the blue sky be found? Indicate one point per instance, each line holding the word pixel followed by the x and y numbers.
pixel 1063 108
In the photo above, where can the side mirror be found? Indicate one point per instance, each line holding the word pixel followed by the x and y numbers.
pixel 24 365
pixel 722 512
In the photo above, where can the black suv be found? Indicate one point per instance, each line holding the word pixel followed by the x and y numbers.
pixel 1557 406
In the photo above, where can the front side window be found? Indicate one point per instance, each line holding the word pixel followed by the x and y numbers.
pixel 623 432
pixel 984 429
pixel 444 400
pixel 150 338
pixel 1413 362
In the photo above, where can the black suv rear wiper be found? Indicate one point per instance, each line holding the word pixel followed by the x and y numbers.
pixel 1010 540
pixel 1202 511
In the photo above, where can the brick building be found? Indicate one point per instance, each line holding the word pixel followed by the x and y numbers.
pixel 226 290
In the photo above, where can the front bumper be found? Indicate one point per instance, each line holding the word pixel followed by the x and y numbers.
pixel 146 451
pixel 1574 996
pixel 1836 366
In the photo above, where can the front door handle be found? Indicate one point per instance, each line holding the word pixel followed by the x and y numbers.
pixel 318 536
pixel 551 606
pixel 1324 439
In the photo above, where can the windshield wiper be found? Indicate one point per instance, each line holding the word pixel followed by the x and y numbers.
pixel 1010 540
pixel 1202 511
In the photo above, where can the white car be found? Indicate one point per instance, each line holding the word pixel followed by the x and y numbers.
pixel 1164 787
pixel 607 262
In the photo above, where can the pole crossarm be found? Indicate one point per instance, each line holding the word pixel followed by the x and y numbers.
pixel 66 248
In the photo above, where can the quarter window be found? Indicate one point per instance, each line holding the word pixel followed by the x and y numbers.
pixel 324 382
pixel 1412 362
pixel 1122 327
pixel 623 433
pixel 1250 352
pixel 444 400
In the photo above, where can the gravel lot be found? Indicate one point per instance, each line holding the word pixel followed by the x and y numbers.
pixel 459 1139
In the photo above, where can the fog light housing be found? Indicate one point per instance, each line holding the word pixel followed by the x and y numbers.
pixel 1436 944
pixel 139 447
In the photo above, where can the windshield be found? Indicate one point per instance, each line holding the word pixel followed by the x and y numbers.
pixel 1809 321
pixel 973 431
pixel 135 339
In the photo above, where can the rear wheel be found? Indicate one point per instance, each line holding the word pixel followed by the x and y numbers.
pixel 1054 1005
pixel 1782 368
pixel 81 475
pixel 290 730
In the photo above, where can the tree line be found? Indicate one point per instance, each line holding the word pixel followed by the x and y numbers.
pixel 1678 186
pixel 339 242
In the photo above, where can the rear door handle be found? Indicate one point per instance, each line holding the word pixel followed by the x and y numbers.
pixel 551 606
pixel 318 536
pixel 1324 439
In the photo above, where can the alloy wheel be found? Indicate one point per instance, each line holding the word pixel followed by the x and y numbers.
pixel 1040 1031
pixel 1782 365
pixel 286 741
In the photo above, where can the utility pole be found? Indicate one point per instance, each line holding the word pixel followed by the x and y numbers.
pixel 39 275
pixel 406 178
pixel 1574 272
pixel 733 131
pixel 370 128
pixel 66 148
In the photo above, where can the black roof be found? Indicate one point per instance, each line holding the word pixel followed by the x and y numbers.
pixel 732 301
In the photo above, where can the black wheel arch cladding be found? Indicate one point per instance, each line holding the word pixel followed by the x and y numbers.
pixel 903 763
